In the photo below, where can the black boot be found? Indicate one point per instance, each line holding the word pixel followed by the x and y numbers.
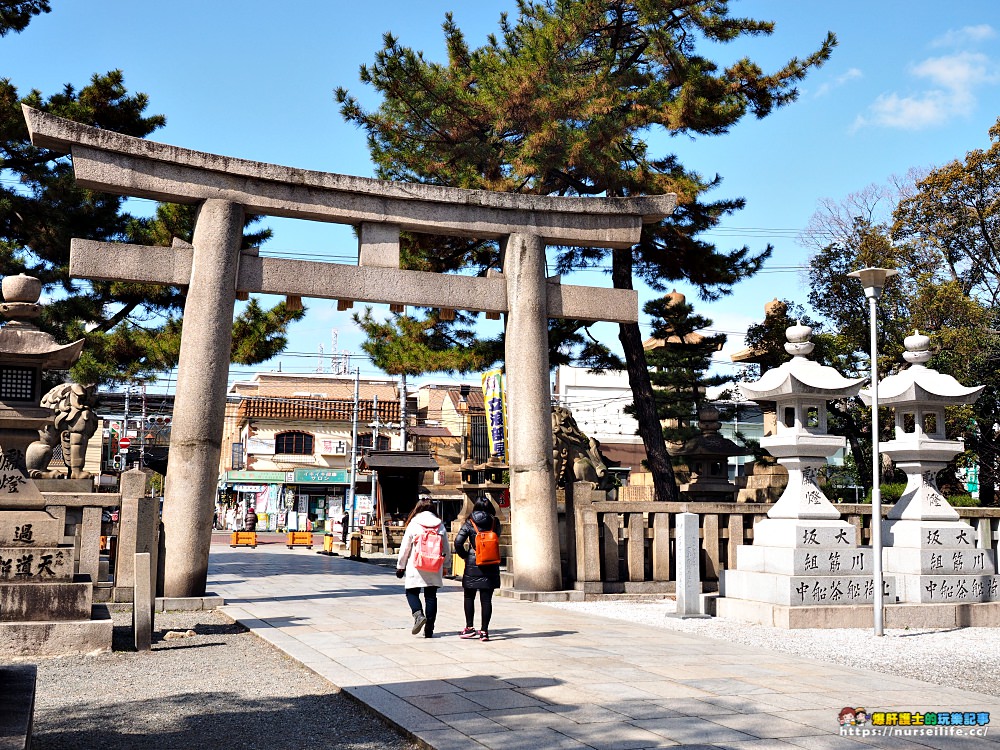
pixel 429 629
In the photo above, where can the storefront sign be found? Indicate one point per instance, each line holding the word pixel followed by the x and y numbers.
pixel 322 476
pixel 255 476
pixel 363 504
pixel 254 488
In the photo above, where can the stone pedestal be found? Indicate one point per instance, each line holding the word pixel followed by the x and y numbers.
pixel 938 561
pixel 45 609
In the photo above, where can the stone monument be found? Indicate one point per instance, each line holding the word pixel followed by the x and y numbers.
pixel 803 554
pixel 930 550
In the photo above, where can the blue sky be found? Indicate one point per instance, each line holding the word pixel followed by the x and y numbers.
pixel 910 85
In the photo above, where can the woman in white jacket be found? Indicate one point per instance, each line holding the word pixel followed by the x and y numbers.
pixel 420 526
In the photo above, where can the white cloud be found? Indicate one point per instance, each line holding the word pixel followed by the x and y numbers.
pixel 839 81
pixel 965 36
pixel 952 83
pixel 960 72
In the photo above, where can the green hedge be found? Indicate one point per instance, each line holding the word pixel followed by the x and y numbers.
pixel 891 493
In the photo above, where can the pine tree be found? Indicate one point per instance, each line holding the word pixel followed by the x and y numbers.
pixel 560 104
pixel 681 358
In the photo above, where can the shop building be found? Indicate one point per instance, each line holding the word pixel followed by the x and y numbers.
pixel 287 448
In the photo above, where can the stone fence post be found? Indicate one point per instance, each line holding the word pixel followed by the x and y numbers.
pixel 137 526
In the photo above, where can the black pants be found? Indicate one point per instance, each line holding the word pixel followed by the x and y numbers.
pixel 431 597
pixel 485 604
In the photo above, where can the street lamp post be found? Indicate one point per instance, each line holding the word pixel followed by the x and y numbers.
pixel 873 280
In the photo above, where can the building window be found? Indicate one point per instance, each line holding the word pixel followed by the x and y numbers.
pixel 365 442
pixel 294 443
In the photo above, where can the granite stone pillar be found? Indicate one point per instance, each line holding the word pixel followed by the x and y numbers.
pixel 199 409
pixel 688 569
pixel 534 522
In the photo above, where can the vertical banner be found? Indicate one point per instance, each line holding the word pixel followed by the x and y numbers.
pixel 496 412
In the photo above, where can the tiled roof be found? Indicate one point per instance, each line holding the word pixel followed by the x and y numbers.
pixel 475 399
pixel 321 410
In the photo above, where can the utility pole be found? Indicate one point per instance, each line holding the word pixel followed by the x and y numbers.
pixel 143 427
pixel 352 500
pixel 402 411
pixel 378 495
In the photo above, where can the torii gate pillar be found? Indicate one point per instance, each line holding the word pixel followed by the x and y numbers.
pixel 534 521
pixel 199 413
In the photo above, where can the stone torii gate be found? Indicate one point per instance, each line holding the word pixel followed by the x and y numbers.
pixel 217 273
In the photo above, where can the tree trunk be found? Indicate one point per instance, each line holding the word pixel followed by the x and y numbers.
pixel 657 458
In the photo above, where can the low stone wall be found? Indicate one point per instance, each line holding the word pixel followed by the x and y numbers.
pixel 627 546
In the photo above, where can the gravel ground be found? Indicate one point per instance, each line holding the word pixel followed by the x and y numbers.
pixel 965 658
pixel 220 688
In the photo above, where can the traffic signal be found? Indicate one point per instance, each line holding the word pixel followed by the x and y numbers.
pixel 159 419
pixel 116 462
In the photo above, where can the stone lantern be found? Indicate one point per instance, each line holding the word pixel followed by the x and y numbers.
pixel 707 457
pixel 930 550
pixel 25 352
pixel 804 559
pixel 799 390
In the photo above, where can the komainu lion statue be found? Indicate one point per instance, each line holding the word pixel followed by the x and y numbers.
pixel 576 457
pixel 74 422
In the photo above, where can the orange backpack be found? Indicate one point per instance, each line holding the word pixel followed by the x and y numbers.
pixel 487 546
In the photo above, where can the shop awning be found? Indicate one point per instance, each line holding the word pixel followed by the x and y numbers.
pixel 414 460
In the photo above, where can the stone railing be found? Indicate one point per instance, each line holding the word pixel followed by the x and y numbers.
pixel 627 546
pixel 135 531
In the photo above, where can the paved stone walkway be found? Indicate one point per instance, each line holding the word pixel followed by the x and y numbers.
pixel 552 678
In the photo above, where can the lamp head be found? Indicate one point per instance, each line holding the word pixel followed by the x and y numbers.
pixel 873 280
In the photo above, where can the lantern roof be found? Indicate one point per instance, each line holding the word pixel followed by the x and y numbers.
pixel 800 375
pixel 919 383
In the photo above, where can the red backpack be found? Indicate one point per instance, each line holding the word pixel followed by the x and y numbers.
pixel 428 554
pixel 487 546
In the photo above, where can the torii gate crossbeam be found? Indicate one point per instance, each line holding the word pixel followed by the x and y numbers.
pixel 216 271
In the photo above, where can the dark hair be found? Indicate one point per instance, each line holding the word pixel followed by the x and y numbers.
pixel 485 506
pixel 424 503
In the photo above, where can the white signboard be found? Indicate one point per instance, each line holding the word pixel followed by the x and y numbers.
pixel 260 446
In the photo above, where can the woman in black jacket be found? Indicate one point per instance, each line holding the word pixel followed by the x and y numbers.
pixel 482 578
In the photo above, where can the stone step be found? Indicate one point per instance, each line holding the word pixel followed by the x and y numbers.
pixel 944 562
pixel 802 561
pixel 985 615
